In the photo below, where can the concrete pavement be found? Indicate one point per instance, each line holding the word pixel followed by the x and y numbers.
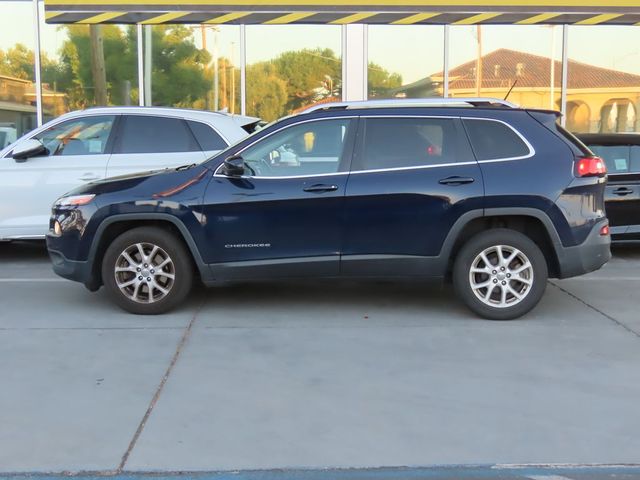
pixel 314 375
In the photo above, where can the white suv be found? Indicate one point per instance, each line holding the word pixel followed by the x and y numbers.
pixel 88 145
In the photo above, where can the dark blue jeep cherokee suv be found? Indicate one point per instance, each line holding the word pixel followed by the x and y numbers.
pixel 495 197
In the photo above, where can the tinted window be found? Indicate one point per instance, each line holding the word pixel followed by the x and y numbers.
pixel 81 136
pixel 147 134
pixel 409 142
pixel 304 149
pixel 206 136
pixel 494 140
pixel 635 159
pixel 616 157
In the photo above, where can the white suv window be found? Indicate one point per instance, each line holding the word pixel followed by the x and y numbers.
pixel 80 136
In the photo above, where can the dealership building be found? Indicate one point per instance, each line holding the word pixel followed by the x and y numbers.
pixel 270 58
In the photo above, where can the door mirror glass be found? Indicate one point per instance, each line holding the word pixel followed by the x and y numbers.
pixel 233 166
pixel 29 148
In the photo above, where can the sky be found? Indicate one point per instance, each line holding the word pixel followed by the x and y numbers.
pixel 412 51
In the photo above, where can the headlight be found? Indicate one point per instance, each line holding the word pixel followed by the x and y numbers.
pixel 74 200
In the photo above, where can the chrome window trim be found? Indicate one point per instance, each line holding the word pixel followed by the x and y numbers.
pixel 531 153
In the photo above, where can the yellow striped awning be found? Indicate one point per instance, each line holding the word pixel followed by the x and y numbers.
pixel 400 12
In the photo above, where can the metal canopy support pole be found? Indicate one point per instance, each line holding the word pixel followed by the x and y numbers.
pixel 243 69
pixel 36 66
pixel 445 76
pixel 140 66
pixel 148 62
pixel 565 73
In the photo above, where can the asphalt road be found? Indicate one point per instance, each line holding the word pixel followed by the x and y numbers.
pixel 316 375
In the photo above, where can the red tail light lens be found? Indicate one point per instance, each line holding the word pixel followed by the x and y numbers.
pixel 590 167
pixel 604 231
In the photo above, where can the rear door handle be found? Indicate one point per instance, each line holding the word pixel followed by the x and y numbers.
pixel 320 188
pixel 88 177
pixel 455 180
pixel 623 191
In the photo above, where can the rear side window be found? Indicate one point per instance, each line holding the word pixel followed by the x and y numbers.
pixel 206 136
pixel 619 158
pixel 148 134
pixel 493 140
pixel 616 157
pixel 410 142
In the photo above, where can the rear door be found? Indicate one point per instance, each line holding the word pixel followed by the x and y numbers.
pixel 411 178
pixel 622 195
pixel 150 142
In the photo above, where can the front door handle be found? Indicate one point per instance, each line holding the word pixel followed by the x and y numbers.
pixel 320 188
pixel 89 177
pixel 623 191
pixel 456 180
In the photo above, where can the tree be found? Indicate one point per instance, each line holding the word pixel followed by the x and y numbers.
pixel 266 91
pixel 381 81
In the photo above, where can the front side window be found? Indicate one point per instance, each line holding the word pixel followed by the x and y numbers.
pixel 310 148
pixel 493 140
pixel 81 136
pixel 409 142
pixel 149 134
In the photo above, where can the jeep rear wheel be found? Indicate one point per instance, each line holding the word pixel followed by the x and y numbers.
pixel 147 271
pixel 500 274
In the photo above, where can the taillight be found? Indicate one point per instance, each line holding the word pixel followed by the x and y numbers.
pixel 590 167
pixel 604 231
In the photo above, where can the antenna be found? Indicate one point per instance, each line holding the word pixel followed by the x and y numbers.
pixel 509 92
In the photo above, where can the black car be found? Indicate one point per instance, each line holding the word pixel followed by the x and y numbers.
pixel 495 197
pixel 621 153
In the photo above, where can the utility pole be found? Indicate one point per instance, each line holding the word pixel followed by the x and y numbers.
pixel 97 65
pixel 479 62
pixel 148 64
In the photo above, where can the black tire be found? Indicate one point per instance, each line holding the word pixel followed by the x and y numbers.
pixel 488 242
pixel 180 266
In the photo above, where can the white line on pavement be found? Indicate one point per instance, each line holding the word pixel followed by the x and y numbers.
pixel 29 280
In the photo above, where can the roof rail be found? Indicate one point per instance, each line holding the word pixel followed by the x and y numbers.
pixel 415 102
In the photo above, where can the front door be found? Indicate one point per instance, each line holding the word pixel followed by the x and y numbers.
pixel 411 179
pixel 284 216
pixel 78 152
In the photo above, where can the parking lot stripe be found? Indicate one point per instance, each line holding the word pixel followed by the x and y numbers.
pixel 30 280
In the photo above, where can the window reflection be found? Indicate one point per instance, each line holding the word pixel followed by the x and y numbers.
pixel 604 79
pixel 17 88
pixel 193 66
pixel 521 62
pixel 291 67
pixel 396 71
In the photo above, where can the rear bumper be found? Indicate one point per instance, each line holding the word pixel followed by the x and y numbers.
pixel 587 257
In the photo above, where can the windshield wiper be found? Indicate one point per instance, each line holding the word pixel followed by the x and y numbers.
pixel 185 167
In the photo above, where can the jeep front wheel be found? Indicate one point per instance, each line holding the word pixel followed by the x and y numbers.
pixel 147 271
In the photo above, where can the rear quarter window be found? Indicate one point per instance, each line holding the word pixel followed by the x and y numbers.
pixel 493 140
pixel 206 136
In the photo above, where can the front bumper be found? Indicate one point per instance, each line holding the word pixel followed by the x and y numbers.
pixel 587 257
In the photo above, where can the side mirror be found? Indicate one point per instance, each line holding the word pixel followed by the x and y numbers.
pixel 233 166
pixel 29 148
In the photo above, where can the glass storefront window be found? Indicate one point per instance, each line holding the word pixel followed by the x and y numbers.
pixel 87 65
pixel 405 61
pixel 290 67
pixel 521 61
pixel 17 74
pixel 603 92
pixel 193 66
